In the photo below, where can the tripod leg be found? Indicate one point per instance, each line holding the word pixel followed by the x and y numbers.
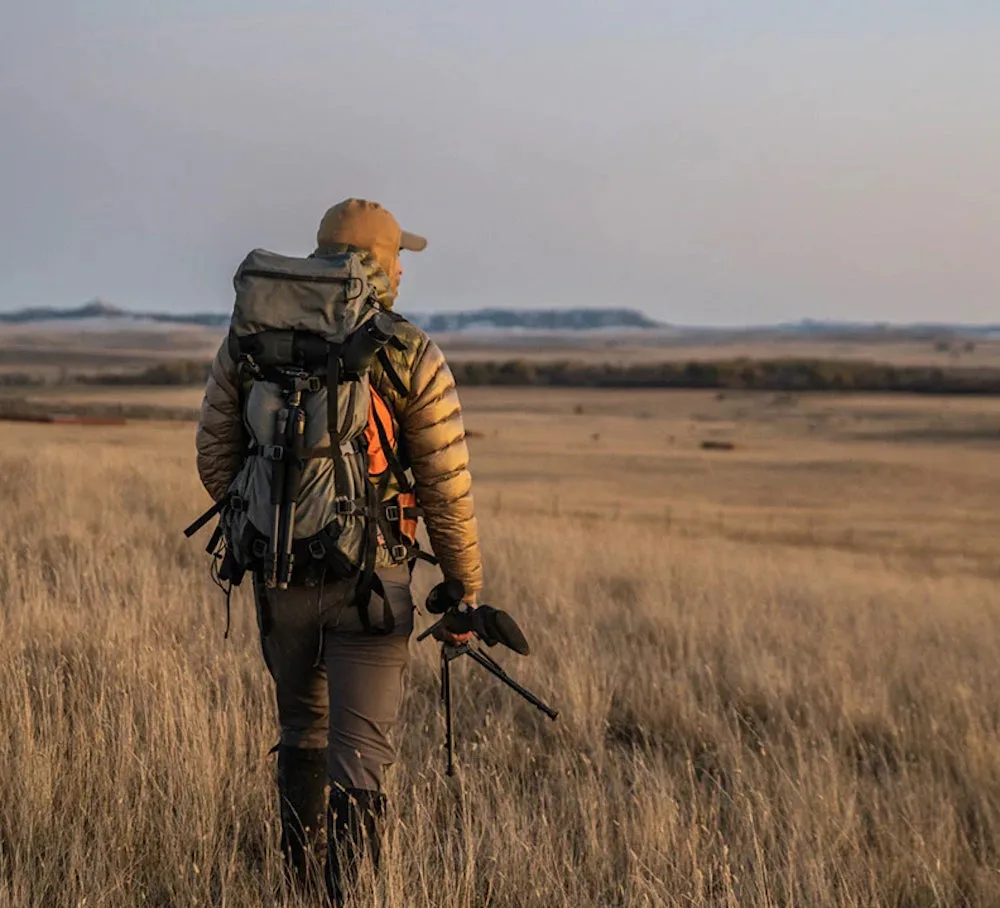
pixel 446 696
pixel 494 669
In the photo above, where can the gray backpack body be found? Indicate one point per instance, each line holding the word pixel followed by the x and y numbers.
pixel 303 333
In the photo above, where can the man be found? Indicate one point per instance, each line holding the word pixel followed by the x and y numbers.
pixel 339 688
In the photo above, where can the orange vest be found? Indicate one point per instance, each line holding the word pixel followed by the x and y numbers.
pixel 378 463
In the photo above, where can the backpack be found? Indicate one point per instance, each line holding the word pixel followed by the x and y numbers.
pixel 301 509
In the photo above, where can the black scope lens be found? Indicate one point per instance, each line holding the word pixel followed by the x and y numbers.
pixel 366 342
pixel 381 327
pixel 444 596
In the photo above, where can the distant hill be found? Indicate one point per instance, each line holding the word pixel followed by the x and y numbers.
pixel 472 321
pixel 918 331
pixel 93 309
pixel 102 315
pixel 107 313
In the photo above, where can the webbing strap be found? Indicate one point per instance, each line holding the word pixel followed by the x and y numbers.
pixel 268 452
pixel 418 554
pixel 333 418
pixel 365 582
pixel 391 373
pixel 278 466
pixel 389 534
pixel 390 456
pixel 332 384
pixel 340 479
pixel 395 513
pixel 207 516
pixel 214 539
pixel 400 548
pixel 387 618
pixel 323 451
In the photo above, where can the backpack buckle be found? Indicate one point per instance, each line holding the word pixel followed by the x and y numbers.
pixel 272 452
pixel 345 507
pixel 238 503
pixel 317 549
pixel 259 548
pixel 308 383
pixel 397 552
pixel 392 513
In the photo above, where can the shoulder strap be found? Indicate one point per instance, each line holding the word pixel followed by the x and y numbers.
pixel 244 380
pixel 395 466
pixel 332 386
pixel 392 374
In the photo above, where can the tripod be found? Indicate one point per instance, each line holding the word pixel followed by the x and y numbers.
pixel 449 653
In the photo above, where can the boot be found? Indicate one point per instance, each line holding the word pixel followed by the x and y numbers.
pixel 354 824
pixel 302 792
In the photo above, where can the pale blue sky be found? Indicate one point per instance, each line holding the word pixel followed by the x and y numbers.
pixel 709 162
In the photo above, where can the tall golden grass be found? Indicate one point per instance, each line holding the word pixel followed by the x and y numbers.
pixel 741 723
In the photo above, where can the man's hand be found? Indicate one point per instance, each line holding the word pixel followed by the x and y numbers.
pixel 446 636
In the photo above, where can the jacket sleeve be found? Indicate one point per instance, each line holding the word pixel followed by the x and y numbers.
pixel 221 438
pixel 430 417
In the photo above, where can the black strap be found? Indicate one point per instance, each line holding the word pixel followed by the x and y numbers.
pixel 418 554
pixel 393 537
pixel 410 552
pixel 294 443
pixel 207 516
pixel 388 621
pixel 365 582
pixel 394 512
pixel 268 452
pixel 391 373
pixel 340 480
pixel 320 452
pixel 333 418
pixel 215 538
pixel 332 385
pixel 278 464
pixel 395 466
pixel 225 585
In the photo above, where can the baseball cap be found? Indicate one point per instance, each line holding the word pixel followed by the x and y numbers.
pixel 367 225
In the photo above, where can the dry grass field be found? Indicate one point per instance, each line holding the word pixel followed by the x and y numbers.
pixel 778 667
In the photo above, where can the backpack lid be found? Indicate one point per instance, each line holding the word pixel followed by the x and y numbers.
pixel 325 295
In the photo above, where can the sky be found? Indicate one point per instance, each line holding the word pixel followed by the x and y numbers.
pixel 707 162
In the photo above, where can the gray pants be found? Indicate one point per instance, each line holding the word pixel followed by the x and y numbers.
pixel 338 687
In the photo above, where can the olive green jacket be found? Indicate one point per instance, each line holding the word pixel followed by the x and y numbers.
pixel 430 422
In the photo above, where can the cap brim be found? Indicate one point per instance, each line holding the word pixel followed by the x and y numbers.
pixel 411 241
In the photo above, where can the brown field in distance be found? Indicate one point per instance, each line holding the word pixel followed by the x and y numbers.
pixel 52 352
pixel 29 349
pixel 777 666
pixel 640 349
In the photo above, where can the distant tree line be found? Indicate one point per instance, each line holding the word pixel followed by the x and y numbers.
pixel 173 372
pixel 20 380
pixel 735 374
